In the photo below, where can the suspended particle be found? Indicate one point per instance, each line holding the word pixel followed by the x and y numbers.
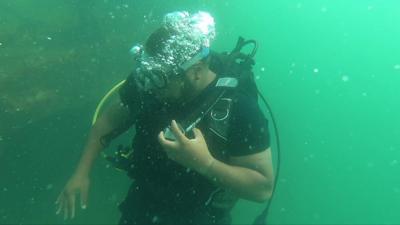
pixel 316 70
pixel 32 200
pixel 111 14
pixel 262 69
pixel 345 78
pixel 396 67
pixel 155 219
pixel 393 163
pixel 49 186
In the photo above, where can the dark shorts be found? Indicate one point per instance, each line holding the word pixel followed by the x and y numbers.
pixel 136 210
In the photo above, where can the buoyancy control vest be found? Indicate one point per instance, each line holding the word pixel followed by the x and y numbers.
pixel 235 65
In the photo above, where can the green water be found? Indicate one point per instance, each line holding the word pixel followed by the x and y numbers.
pixel 329 69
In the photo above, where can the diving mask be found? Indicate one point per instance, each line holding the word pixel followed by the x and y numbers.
pixel 186 43
pixel 152 73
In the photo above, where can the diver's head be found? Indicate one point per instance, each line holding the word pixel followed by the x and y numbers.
pixel 174 58
pixel 188 85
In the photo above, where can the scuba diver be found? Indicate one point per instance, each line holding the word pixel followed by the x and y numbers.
pixel 201 140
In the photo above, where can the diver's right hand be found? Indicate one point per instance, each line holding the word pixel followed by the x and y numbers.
pixel 77 184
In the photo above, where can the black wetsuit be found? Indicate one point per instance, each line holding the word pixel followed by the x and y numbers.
pixel 164 192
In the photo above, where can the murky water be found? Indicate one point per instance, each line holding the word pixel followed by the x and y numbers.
pixel 329 69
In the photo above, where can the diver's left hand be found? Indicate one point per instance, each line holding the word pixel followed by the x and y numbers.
pixel 191 153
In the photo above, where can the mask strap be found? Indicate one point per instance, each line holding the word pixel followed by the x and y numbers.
pixel 199 56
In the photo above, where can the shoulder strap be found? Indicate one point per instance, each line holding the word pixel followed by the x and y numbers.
pixel 223 85
pixel 237 64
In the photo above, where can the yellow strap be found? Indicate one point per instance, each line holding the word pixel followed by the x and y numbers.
pixel 104 99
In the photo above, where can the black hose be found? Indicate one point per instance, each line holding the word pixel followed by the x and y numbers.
pixel 262 218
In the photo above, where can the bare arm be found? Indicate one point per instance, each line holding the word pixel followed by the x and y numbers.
pixel 114 121
pixel 250 177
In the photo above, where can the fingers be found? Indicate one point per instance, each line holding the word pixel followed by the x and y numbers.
pixel 197 133
pixel 71 205
pixel 66 203
pixel 180 137
pixel 84 198
pixel 60 202
pixel 65 206
pixel 58 199
pixel 163 141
